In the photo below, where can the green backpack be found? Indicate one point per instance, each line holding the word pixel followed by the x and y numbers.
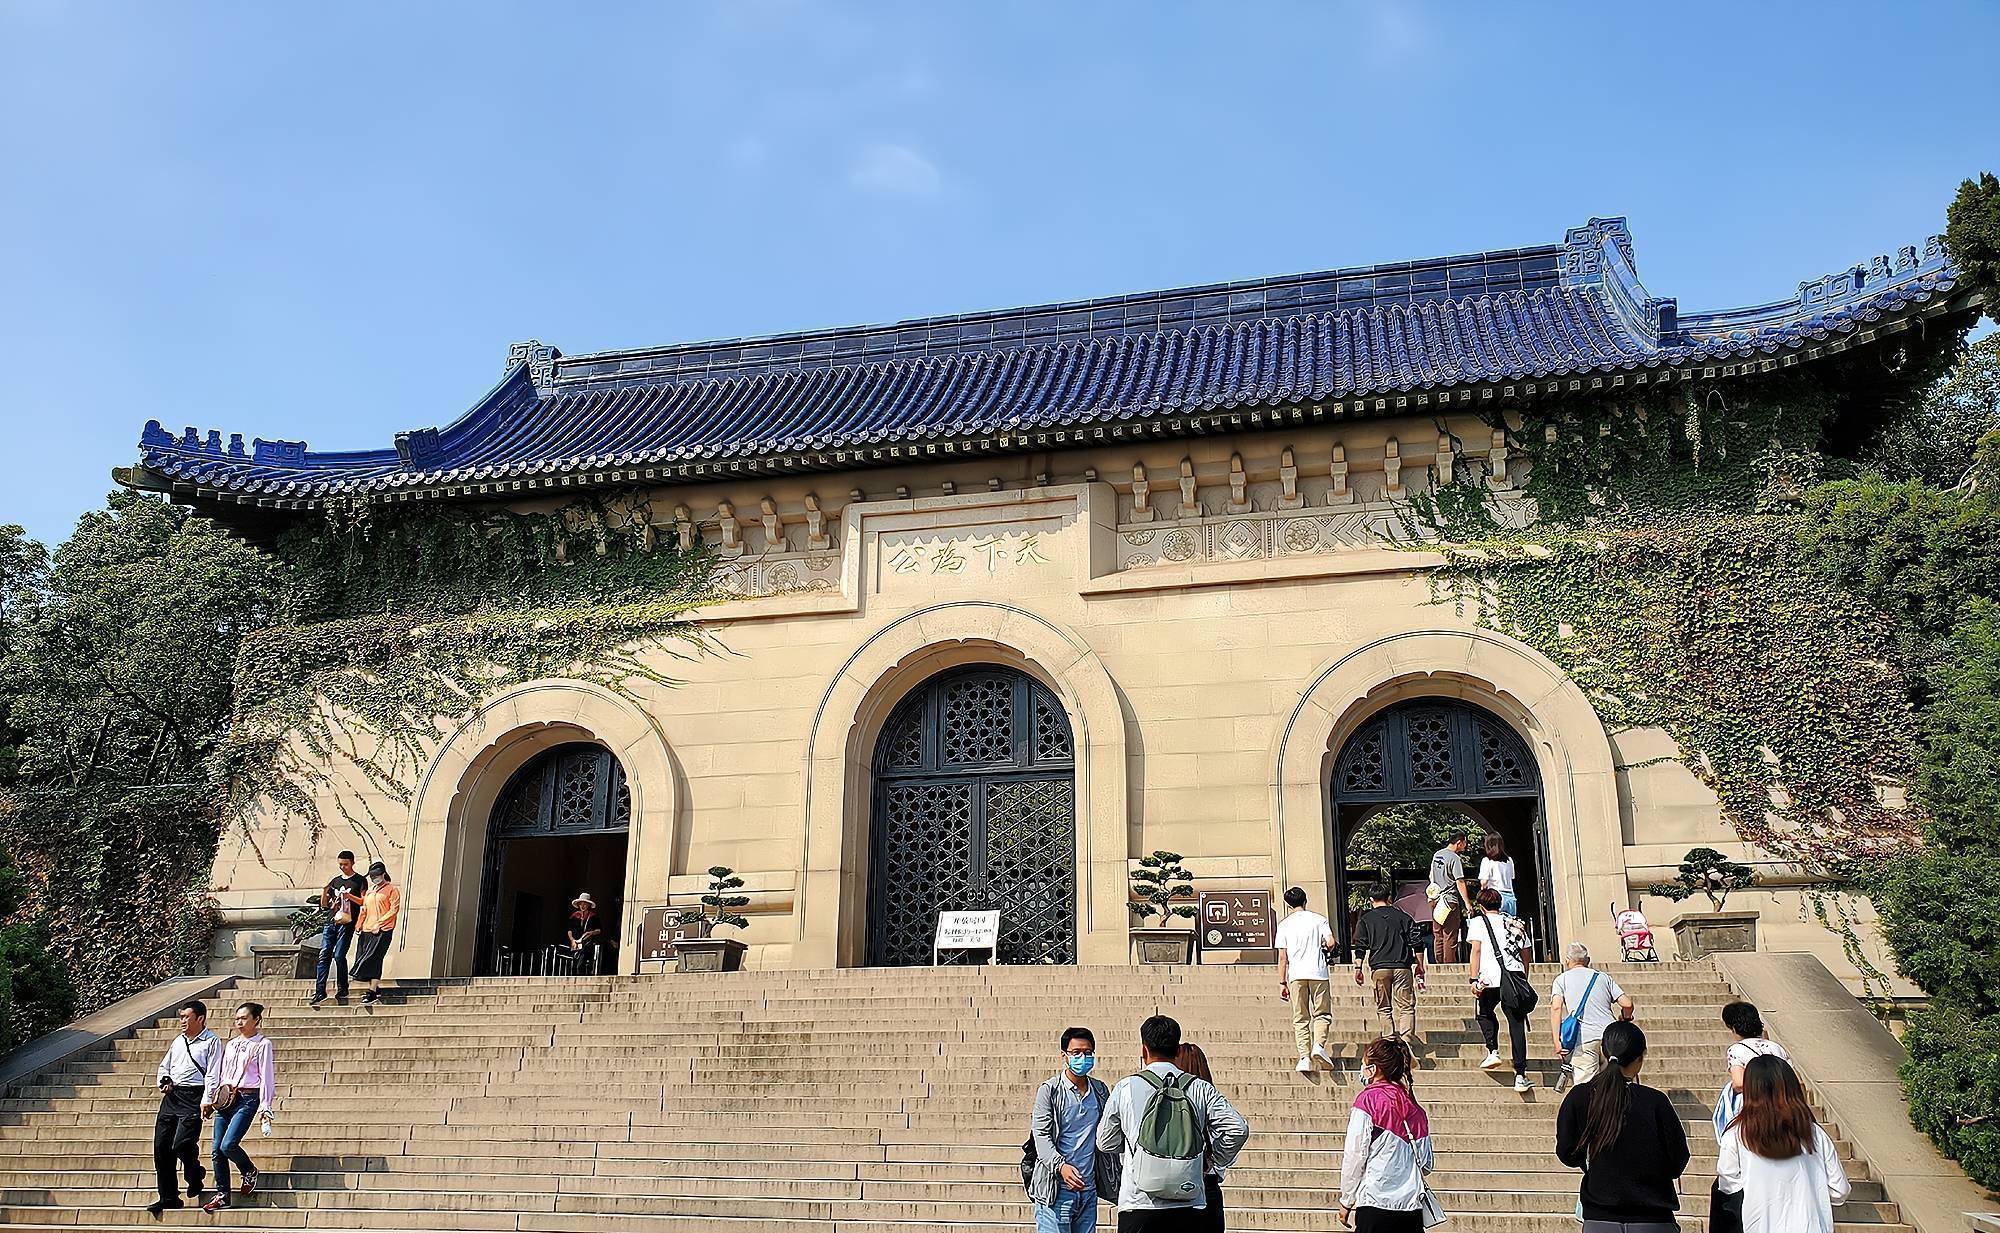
pixel 1167 1151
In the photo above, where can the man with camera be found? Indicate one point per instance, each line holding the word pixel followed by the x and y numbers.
pixel 177 1130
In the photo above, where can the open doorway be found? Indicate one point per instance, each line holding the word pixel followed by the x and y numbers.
pixel 1410 777
pixel 558 831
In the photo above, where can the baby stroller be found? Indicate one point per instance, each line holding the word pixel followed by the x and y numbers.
pixel 1635 936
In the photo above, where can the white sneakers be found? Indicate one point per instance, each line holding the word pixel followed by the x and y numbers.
pixel 1522 1083
pixel 1323 1056
pixel 1492 1061
pixel 1305 1065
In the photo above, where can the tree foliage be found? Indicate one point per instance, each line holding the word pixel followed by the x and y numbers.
pixel 119 653
pixel 1972 236
pixel 1938 440
pixel 1159 880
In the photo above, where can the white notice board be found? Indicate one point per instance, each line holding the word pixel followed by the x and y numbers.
pixel 966 931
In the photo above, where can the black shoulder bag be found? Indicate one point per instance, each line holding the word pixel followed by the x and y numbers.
pixel 1516 994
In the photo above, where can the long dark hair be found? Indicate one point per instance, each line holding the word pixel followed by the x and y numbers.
pixel 1496 847
pixel 1776 1121
pixel 1194 1061
pixel 1391 1060
pixel 1611 1092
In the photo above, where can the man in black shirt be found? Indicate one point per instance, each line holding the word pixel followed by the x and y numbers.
pixel 338 898
pixel 1388 939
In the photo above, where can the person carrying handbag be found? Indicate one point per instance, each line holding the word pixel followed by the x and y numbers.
pixel 241 1088
pixel 1388 1150
pixel 1498 971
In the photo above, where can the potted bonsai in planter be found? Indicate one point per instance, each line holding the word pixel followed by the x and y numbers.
pixel 703 952
pixel 1704 871
pixel 1156 883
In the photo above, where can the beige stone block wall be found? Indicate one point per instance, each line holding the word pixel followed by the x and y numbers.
pixel 1206 698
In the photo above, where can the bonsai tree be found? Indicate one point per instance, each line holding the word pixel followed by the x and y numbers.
pixel 1704 871
pixel 1156 883
pixel 719 900
pixel 308 921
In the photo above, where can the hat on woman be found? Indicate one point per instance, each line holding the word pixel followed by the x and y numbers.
pixel 377 869
pixel 583 900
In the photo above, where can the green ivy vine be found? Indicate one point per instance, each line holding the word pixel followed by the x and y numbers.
pixel 1668 569
pixel 400 624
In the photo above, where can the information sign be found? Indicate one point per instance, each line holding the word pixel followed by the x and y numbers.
pixel 659 930
pixel 1236 920
pixel 966 931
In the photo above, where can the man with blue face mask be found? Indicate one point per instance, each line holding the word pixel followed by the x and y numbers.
pixel 1069 1171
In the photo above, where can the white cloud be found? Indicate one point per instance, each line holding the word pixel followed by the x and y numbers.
pixel 886 167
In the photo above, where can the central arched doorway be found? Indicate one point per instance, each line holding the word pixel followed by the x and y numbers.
pixel 559 828
pixel 1421 768
pixel 974 808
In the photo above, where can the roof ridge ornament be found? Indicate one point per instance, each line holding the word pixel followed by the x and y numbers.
pixel 540 359
pixel 1599 254
pixel 1816 295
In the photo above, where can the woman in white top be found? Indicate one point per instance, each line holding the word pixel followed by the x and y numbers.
pixel 1496 872
pixel 1499 944
pixel 1775 1155
pixel 1388 1148
pixel 243 1087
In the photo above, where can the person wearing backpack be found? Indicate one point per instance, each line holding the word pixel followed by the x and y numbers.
pixel 1583 1002
pixel 1167 1127
pixel 1064 1166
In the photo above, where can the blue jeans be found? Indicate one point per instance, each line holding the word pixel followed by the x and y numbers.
pixel 1074 1211
pixel 333 941
pixel 1509 904
pixel 231 1125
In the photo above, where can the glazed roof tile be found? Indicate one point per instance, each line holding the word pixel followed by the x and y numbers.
pixel 1006 379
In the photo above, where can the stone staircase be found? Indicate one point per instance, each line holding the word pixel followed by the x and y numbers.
pixel 871 1101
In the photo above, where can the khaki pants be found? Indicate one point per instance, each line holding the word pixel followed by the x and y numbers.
pixel 1396 1002
pixel 1312 1015
pixel 1585 1061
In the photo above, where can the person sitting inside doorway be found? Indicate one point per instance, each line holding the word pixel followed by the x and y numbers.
pixel 585 937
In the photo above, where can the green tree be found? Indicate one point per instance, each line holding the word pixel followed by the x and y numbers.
pixel 36 995
pixel 1972 236
pixel 1938 440
pixel 120 658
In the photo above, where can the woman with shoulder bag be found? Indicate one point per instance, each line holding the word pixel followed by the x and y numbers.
pixel 242 1088
pixel 1388 1148
pixel 1210 1218
pixel 1499 977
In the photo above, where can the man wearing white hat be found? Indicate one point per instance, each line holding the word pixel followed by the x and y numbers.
pixel 586 937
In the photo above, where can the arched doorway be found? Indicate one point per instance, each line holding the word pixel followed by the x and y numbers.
pixel 1422 767
pixel 974 808
pixel 559 828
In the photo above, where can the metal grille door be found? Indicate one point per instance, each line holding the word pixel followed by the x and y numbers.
pixel 974 809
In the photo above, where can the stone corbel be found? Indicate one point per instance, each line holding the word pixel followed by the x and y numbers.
pixel 1288 481
pixel 732 541
pixel 1445 458
pixel 774 530
pixel 1239 486
pixel 1340 493
pixel 1392 470
pixel 1190 508
pixel 1496 464
pixel 684 527
pixel 816 536
pixel 1142 494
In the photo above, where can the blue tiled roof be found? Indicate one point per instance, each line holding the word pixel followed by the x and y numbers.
pixel 1354 341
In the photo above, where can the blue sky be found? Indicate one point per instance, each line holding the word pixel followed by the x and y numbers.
pixel 328 222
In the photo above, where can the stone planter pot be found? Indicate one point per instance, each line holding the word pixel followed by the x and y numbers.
pixel 1163 945
pixel 294 962
pixel 1701 934
pixel 710 955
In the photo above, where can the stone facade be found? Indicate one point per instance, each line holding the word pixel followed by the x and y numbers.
pixel 1216 615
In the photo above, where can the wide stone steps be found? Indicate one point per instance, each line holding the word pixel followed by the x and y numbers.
pixel 850 1102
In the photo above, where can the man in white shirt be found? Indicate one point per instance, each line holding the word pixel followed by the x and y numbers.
pixel 1118 1131
pixel 177 1129
pixel 1580 985
pixel 1303 979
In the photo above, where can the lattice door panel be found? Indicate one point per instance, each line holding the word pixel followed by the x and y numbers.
pixel 1031 868
pixel 975 808
pixel 923 866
